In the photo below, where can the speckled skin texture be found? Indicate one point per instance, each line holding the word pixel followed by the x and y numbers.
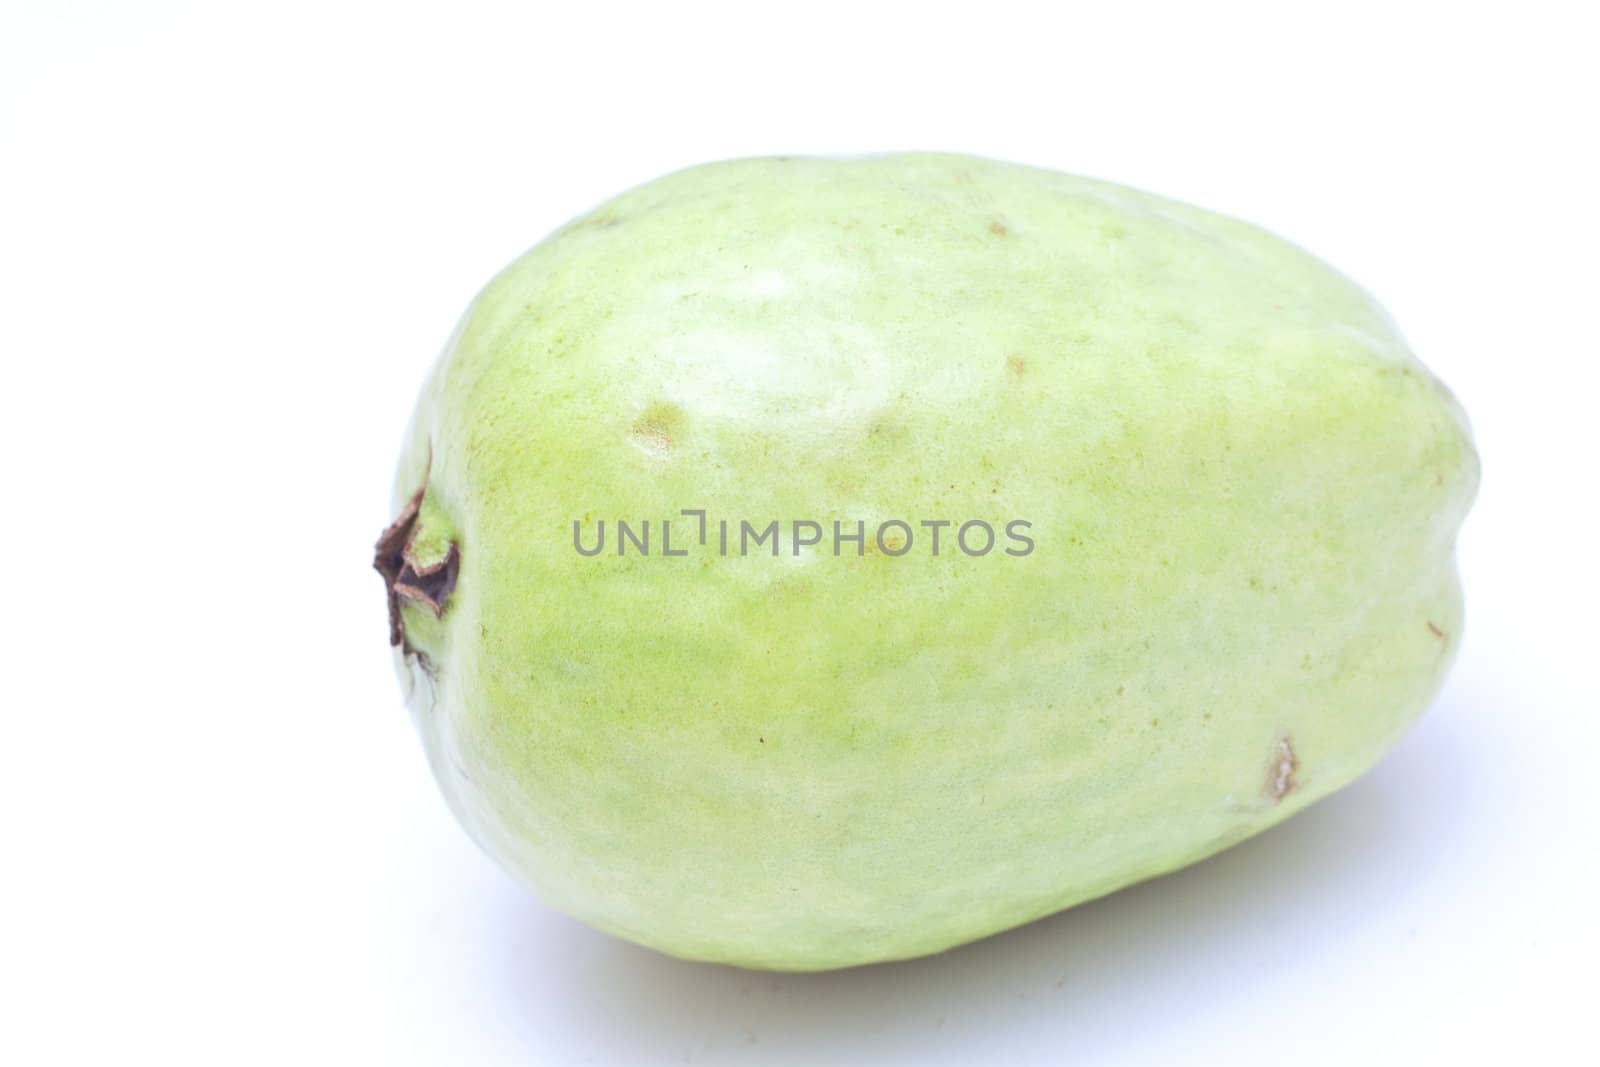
pixel 1243 488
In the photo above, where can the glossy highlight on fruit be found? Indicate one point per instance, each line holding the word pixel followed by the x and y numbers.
pixel 767 721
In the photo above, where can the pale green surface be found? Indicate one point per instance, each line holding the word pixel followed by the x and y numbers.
pixel 1244 491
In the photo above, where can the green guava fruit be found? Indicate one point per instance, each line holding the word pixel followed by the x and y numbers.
pixel 1145 541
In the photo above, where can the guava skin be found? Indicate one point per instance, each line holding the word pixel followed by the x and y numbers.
pixel 1244 492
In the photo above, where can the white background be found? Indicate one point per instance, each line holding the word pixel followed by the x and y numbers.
pixel 231 241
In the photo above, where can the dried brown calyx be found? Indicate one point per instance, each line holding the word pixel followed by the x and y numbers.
pixel 429 584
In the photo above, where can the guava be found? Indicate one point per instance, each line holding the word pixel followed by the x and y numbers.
pixel 694 604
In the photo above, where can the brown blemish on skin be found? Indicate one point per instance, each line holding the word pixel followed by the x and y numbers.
pixel 597 222
pixel 870 547
pixel 1442 635
pixel 998 228
pixel 1280 772
pixel 1016 365
pixel 404 578
pixel 658 429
